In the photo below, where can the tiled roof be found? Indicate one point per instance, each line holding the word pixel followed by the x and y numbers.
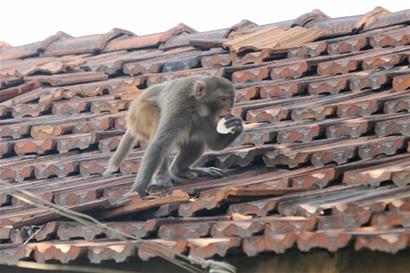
pixel 324 161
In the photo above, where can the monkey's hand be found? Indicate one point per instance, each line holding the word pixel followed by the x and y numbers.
pixel 217 141
pixel 234 122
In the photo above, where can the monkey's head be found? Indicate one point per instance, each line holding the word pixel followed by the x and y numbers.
pixel 216 94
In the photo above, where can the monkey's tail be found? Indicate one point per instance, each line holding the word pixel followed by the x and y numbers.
pixel 126 143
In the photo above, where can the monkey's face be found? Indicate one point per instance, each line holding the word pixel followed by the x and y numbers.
pixel 224 104
pixel 217 95
pixel 220 102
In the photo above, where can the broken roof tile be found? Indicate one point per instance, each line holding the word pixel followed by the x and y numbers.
pixel 394 18
pixel 19 52
pixel 273 38
pixel 371 16
pixel 185 38
pixel 32 49
pixel 69 78
pixel 313 16
pixel 85 44
pixel 147 41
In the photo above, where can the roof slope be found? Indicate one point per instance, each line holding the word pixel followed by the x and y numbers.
pixel 324 120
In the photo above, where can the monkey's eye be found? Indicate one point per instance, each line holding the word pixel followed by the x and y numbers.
pixel 223 99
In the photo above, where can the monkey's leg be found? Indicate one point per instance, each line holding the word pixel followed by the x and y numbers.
pixel 162 178
pixel 125 145
pixel 158 149
pixel 188 154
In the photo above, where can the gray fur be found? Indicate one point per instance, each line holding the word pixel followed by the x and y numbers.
pixel 187 124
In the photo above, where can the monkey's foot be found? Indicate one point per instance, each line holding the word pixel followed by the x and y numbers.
pixel 211 172
pixel 176 180
pixel 178 175
pixel 194 173
pixel 161 180
pixel 110 170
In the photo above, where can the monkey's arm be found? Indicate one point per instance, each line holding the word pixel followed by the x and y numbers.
pixel 217 141
pixel 124 147
pixel 158 148
pixel 188 154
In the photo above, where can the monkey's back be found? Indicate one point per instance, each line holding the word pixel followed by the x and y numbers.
pixel 144 112
pixel 143 117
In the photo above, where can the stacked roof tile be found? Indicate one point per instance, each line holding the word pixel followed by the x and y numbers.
pixel 324 161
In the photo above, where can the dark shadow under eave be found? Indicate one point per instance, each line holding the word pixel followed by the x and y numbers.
pixel 316 261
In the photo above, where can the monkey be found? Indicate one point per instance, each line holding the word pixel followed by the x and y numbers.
pixel 179 116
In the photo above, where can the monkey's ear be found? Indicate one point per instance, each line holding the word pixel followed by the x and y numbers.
pixel 200 89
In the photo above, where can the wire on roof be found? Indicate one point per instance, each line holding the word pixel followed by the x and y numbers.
pixel 189 263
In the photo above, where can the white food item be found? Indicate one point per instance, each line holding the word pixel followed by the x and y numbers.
pixel 222 129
